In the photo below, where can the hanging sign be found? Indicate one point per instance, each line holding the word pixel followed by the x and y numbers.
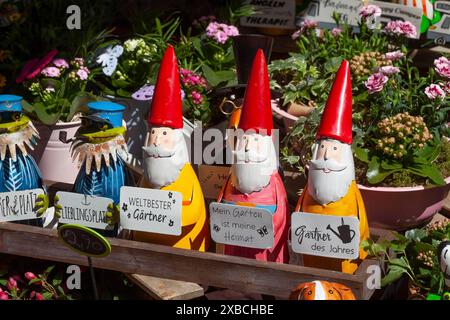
pixel 85 210
pixel 151 210
pixel 241 226
pixel 272 14
pixel 325 235
pixel 212 179
pixel 18 205
pixel 84 241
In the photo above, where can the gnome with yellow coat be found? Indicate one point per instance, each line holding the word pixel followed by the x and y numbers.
pixel 166 161
pixel 331 187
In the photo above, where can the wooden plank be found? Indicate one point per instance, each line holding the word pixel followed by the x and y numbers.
pixel 240 274
pixel 166 289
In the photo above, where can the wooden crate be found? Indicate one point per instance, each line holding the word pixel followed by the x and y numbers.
pixel 211 269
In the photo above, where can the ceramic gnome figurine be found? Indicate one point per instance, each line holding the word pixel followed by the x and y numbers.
pixel 322 290
pixel 166 161
pixel 331 187
pixel 444 261
pixel 254 180
pixel 18 170
pixel 101 151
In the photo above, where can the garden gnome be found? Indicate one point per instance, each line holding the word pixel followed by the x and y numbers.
pixel 166 161
pixel 101 151
pixel 322 290
pixel 254 180
pixel 18 170
pixel 331 187
pixel 443 254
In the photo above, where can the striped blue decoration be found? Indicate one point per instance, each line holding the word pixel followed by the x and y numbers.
pixel 19 175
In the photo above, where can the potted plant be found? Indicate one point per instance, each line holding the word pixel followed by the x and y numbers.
pixel 386 86
pixel 56 92
pixel 413 256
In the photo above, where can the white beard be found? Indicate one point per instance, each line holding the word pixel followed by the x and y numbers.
pixel 254 175
pixel 330 187
pixel 161 172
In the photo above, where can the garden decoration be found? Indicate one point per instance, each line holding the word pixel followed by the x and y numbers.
pixel 322 290
pixel 101 151
pixel 331 188
pixel 254 180
pixel 443 255
pixel 166 162
pixel 18 170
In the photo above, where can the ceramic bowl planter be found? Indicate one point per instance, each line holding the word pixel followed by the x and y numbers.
pixel 403 208
pixel 53 156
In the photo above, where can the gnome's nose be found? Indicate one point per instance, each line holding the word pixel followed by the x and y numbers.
pixel 325 155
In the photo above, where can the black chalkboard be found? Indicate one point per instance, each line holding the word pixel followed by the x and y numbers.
pixel 84 241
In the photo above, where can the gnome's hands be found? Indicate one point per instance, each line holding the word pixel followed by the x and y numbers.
pixel 41 205
pixel 113 214
pixel 58 207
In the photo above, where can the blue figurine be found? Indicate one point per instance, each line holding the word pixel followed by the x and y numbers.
pixel 18 170
pixel 101 151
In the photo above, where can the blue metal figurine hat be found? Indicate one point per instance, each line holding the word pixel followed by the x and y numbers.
pixel 106 111
pixel 10 103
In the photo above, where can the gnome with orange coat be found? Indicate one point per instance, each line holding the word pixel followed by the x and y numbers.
pixel 166 161
pixel 331 187
pixel 254 180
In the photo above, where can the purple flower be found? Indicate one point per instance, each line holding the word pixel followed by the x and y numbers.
pixel 197 97
pixel 60 63
pixel 389 70
pixel 401 28
pixel 394 55
pixel 221 32
pixel 336 31
pixel 370 11
pixel 83 73
pixel 51 72
pixel 145 93
pixel 442 67
pixel 376 82
pixel 304 26
pixel 434 91
pixel 408 29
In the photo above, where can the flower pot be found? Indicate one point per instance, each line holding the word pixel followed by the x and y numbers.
pixel 402 208
pixel 53 156
pixel 294 111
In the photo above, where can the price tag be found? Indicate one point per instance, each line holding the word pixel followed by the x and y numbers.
pixel 84 241
pixel 85 210
pixel 151 210
pixel 18 205
pixel 325 235
pixel 241 226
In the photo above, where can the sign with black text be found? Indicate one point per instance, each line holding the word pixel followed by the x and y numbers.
pixel 241 226
pixel 85 210
pixel 275 14
pixel 325 235
pixel 18 205
pixel 151 210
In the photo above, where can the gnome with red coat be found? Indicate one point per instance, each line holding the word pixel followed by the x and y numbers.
pixel 331 187
pixel 254 180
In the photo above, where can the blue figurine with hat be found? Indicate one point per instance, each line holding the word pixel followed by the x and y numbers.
pixel 18 169
pixel 101 151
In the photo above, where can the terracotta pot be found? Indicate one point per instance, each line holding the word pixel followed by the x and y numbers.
pixel 403 208
pixel 52 155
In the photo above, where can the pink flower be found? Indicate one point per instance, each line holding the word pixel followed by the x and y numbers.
pixel 232 31
pixel 197 97
pixel 60 63
pixel 389 70
pixel 376 82
pixel 221 37
pixel 370 11
pixel 394 55
pixel 78 62
pixel 39 296
pixel 83 73
pixel 442 67
pixel 11 284
pixel 445 86
pixel 408 29
pixel 401 28
pixel 30 275
pixel 296 34
pixel 51 72
pixel 336 31
pixel 4 296
pixel 305 25
pixel 34 67
pixel 434 91
pixel 221 32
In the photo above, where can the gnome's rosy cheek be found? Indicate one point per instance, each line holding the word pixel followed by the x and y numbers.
pixel 161 136
pixel 329 150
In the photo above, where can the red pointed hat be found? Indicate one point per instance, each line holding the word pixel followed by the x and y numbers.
pixel 336 120
pixel 257 110
pixel 166 110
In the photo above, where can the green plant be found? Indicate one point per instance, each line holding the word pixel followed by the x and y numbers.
pixel 413 255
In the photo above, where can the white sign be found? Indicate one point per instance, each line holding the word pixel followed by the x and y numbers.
pixel 151 210
pixel 85 210
pixel 212 179
pixel 322 11
pixel 275 14
pixel 241 226
pixel 325 235
pixel 18 205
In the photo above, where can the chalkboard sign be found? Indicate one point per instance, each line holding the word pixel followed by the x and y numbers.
pixel 84 241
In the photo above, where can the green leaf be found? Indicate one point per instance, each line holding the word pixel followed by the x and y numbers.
pixel 394 273
pixel 415 234
pixel 362 154
pixel 375 173
pixel 47 295
pixel 427 171
pixel 35 280
pixel 49 269
pixel 45 115
pixel 391 165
